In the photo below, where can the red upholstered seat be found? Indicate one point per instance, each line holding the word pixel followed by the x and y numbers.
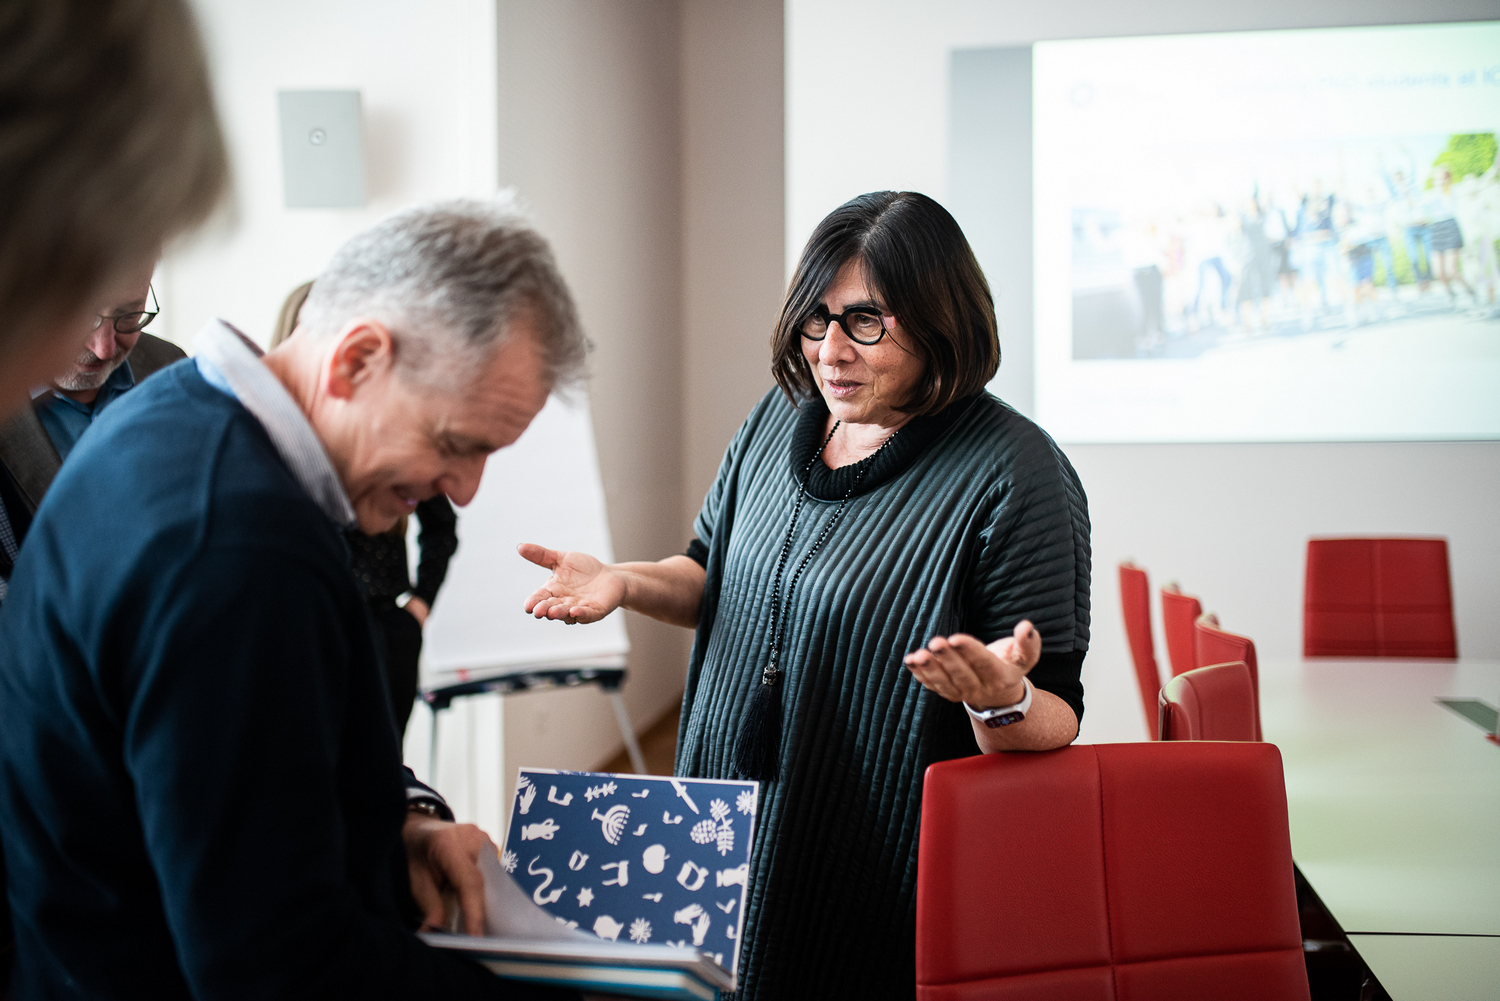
pixel 1178 613
pixel 1212 645
pixel 1209 703
pixel 1378 598
pixel 1109 872
pixel 1135 597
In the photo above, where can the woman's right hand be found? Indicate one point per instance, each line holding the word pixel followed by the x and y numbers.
pixel 581 589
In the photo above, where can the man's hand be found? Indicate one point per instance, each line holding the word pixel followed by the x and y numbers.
pixel 443 859
pixel 581 589
pixel 961 669
pixel 418 609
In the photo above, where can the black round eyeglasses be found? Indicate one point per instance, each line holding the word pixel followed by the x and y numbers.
pixel 863 324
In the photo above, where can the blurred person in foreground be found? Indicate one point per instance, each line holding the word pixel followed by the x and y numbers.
pixel 399 606
pixel 200 783
pixel 36 440
pixel 891 569
pixel 109 146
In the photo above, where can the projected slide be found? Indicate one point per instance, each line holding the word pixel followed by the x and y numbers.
pixel 1269 236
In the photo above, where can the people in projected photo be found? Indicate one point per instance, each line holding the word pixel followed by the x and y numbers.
pixel 1257 267
pixel 891 569
pixel 1444 235
pixel 1367 246
pixel 1477 202
pixel 1209 241
pixel 1318 247
pixel 1408 216
pixel 1318 241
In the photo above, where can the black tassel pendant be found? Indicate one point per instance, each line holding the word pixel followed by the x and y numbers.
pixel 757 750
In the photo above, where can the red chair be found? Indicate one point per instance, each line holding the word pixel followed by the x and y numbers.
pixel 1106 872
pixel 1178 613
pixel 1213 645
pixel 1209 703
pixel 1378 598
pixel 1135 596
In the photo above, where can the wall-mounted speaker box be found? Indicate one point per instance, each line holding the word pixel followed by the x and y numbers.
pixel 322 158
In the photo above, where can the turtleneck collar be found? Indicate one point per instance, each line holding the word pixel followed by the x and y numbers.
pixel 891 461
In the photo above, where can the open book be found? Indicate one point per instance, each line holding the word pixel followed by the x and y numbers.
pixel 620 884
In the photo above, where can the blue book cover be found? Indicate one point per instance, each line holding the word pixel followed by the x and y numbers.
pixel 636 858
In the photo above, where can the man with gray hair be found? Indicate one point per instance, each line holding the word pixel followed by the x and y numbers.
pixel 200 784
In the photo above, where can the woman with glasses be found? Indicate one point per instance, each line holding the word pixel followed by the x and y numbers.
pixel 891 569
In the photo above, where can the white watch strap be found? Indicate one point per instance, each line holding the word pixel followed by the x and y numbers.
pixel 1020 707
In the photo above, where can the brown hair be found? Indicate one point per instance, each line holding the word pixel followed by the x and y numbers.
pixel 291 308
pixel 916 259
pixel 109 145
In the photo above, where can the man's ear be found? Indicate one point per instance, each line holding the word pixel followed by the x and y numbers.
pixel 364 350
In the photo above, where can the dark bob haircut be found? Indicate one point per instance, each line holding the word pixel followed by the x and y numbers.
pixel 919 265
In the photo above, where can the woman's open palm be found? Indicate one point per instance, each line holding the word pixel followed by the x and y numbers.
pixel 581 589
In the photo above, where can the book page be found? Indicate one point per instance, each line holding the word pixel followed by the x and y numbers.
pixel 509 912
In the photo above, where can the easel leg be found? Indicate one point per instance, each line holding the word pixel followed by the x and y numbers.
pixel 632 746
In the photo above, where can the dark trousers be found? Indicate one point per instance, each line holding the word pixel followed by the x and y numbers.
pixel 403 645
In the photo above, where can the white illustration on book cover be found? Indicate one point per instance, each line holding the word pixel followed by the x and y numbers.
pixel 668 887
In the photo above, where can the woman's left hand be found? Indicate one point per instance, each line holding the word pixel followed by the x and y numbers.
pixel 962 669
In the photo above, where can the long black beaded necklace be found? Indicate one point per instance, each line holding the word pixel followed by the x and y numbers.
pixel 757 752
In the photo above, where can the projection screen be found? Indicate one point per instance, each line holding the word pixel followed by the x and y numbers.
pixel 1268 236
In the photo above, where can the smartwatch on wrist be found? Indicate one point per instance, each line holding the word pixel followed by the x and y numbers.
pixel 1004 715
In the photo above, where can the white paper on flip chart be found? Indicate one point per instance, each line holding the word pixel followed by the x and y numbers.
pixel 545 489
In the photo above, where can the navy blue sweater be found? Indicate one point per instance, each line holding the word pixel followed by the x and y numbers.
pixel 201 790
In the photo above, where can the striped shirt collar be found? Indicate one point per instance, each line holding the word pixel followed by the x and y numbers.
pixel 230 362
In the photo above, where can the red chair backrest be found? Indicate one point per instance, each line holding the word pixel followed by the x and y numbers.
pixel 1378 598
pixel 1209 703
pixel 1135 597
pixel 1098 872
pixel 1178 613
pixel 1213 645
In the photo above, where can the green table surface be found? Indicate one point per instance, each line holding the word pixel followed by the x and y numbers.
pixel 1432 967
pixel 1393 799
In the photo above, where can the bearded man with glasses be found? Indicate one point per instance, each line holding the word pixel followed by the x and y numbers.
pixel 117 356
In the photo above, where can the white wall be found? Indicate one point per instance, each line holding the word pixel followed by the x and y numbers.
pixel 648 138
pixel 1229 522
pixel 427 80
pixel 589 135
pixel 732 232
pixel 426 75
pixel 577 105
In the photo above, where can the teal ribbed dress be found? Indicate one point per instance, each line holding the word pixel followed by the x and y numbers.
pixel 969 520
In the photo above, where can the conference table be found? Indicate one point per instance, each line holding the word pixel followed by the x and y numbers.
pixel 1394 803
